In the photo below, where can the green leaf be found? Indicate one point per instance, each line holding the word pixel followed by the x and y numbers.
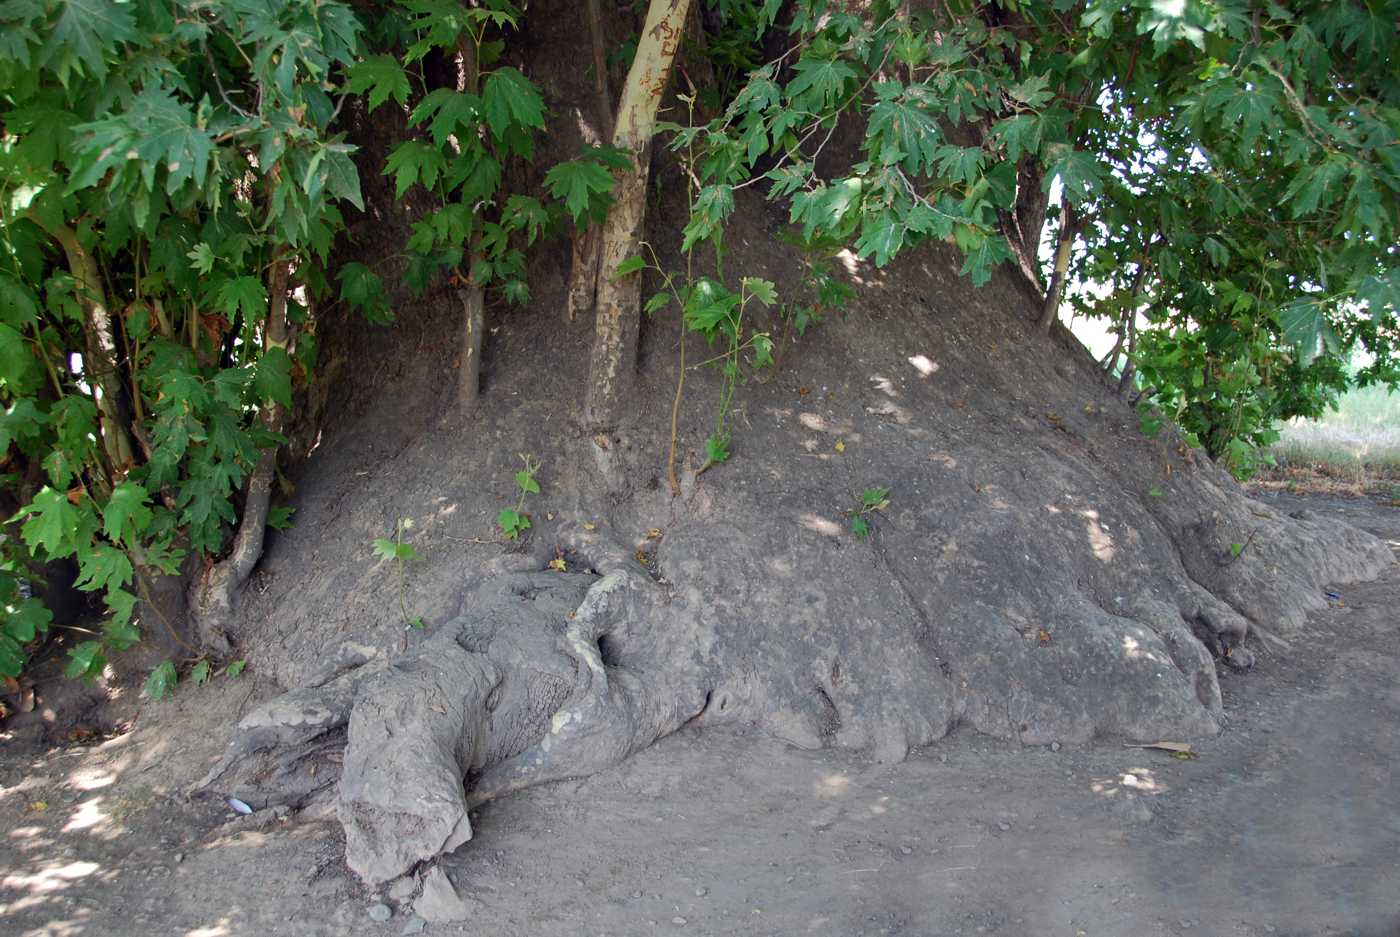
pixel 860 527
pixel 403 552
pixel 20 371
pixel 200 673
pixel 1306 326
pixel 1236 549
pixel 526 483
pixel 583 185
pixel 12 655
pixel 280 518
pixel 85 661
pixel 237 667
pixel 157 132
pixel 161 682
pixel 17 303
pixel 717 449
pixel 449 113
pixel 362 288
pixel 85 30
pixel 386 549
pixel 512 522
pixel 202 258
pixel 881 236
pixel 511 100
pixel 126 515
pixel 104 567
pixel 342 178
pixel 1078 172
pixel 23 421
pixel 819 82
pixel 414 161
pixel 629 266
pixel 382 76
pixel 27 619
pixel 902 126
pixel 874 497
pixel 246 293
pixel 272 379
pixel 52 524
pixel 657 302
pixel 762 290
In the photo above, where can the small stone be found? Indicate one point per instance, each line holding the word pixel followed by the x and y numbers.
pixel 1185 924
pixel 1270 929
pixel 942 758
pixel 701 892
pixel 403 888
pixel 1054 746
pixel 678 921
pixel 439 901
pixel 380 912
pixel 413 925
pixel 905 850
pixel 636 894
pixel 1004 827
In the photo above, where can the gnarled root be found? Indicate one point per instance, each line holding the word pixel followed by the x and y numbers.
pixel 515 692
pixel 415 729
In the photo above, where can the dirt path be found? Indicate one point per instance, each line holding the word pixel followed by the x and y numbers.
pixel 1287 824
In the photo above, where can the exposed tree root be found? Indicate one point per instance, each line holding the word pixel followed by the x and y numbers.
pixel 506 695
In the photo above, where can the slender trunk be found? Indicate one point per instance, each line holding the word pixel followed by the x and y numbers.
pixel 619 298
pixel 588 242
pixel 1027 219
pixel 1051 310
pixel 473 300
pixel 471 295
pixel 100 351
pixel 1125 383
pixel 211 600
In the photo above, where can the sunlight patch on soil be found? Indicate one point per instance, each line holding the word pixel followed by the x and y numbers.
pixel 820 525
pixel 925 365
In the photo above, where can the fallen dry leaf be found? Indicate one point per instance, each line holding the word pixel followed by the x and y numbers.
pixel 654 533
pixel 840 446
pixel 558 564
pixel 1181 750
pixel 588 525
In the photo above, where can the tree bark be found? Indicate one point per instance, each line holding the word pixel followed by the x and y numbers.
pixel 588 243
pixel 99 355
pixel 473 301
pixel 618 300
pixel 1051 310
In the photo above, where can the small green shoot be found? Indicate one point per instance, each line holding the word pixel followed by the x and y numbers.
pixel 237 667
pixel 401 553
pixel 871 500
pixel 200 672
pixel 514 521
pixel 1236 549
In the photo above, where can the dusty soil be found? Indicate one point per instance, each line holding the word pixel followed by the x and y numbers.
pixel 1288 823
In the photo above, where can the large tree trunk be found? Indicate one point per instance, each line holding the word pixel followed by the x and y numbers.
pixel 618 298
pixel 1043 571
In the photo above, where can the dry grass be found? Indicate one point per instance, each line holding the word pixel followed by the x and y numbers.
pixel 1357 447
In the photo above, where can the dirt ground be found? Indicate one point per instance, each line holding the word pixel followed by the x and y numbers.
pixel 1288 823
